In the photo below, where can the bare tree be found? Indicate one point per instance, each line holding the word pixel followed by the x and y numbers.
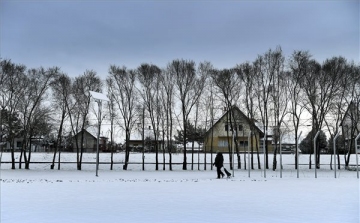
pixel 266 67
pixel 167 80
pixel 320 86
pixel 61 92
pixel 280 99
pixel 228 84
pixel 246 72
pixel 189 87
pixel 208 109
pixel 89 81
pixel 298 63
pixel 149 78
pixel 338 66
pixel 13 82
pixel 204 69
pixel 112 116
pixel 125 97
pixel 353 101
pixel 38 82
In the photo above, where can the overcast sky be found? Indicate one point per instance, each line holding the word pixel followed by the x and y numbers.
pixel 80 35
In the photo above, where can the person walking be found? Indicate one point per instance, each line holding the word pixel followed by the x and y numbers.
pixel 219 162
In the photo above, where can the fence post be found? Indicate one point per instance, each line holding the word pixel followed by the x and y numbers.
pixel 249 146
pixel 264 146
pixel 297 155
pixel 356 154
pixel 281 136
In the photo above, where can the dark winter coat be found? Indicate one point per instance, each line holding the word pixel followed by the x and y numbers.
pixel 219 160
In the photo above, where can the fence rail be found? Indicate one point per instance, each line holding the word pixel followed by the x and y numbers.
pixel 146 163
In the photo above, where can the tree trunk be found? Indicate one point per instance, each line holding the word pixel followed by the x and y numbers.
pixel 21 156
pixel 127 150
pixel 12 154
pixel 347 157
pixel 169 116
pixel 170 161
pixel 59 159
pixel 257 152
pixel 112 155
pixel 296 150
pixel 192 155
pixel 27 161
pixel 275 160
pixel 58 141
pixel 184 139
pixel 244 151
pixel 211 145
pixel 112 152
pixel 54 157
pixel 252 157
pixel 156 153
pixel 163 146
pixel 331 160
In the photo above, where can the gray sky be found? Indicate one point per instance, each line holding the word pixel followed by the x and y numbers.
pixel 80 35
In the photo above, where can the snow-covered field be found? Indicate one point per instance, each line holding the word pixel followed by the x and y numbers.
pixel 68 195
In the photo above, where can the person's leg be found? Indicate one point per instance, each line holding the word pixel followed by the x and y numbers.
pixel 222 174
pixel 218 170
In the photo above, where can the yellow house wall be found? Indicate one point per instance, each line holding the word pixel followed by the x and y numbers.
pixel 218 132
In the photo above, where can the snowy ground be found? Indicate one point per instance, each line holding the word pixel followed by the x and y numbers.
pixel 68 195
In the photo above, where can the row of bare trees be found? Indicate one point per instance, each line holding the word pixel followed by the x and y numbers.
pixel 279 92
pixel 158 92
pixel 34 100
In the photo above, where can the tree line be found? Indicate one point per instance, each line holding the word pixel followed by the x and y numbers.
pixel 279 92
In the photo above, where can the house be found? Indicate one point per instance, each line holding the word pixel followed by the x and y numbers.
pixel 220 136
pixel 89 142
pixel 37 145
pixel 350 125
pixel 18 142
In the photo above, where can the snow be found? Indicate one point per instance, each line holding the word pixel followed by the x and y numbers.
pixel 68 195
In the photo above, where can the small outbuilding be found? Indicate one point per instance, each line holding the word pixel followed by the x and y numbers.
pixel 89 142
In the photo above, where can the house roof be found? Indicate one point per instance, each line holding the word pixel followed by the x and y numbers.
pixel 251 123
pixel 85 131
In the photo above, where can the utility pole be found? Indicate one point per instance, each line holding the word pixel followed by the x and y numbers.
pixel 143 140
pixel 99 97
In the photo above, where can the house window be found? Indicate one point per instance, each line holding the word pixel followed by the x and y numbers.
pixel 240 127
pixel 243 143
pixel 223 143
pixel 19 144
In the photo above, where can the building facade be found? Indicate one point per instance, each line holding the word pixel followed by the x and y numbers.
pixel 89 142
pixel 351 126
pixel 234 126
